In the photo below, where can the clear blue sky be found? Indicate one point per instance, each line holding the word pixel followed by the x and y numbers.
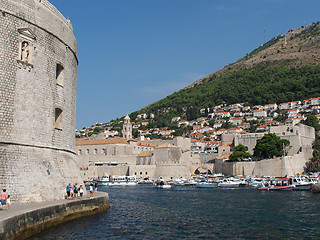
pixel 134 52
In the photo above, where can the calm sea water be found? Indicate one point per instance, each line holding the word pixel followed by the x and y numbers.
pixel 143 212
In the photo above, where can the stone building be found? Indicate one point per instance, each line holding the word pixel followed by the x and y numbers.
pixel 38 77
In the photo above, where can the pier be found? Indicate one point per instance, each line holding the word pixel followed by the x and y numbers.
pixel 25 220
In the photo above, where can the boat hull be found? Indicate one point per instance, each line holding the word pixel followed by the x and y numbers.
pixel 278 188
pixel 205 185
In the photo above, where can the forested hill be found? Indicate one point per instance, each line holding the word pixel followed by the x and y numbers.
pixel 287 68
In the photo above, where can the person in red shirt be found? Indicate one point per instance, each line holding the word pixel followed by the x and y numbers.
pixel 3 198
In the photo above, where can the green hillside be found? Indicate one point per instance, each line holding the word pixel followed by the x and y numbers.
pixel 284 69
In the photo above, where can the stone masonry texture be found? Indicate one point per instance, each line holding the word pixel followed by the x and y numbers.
pixel 34 154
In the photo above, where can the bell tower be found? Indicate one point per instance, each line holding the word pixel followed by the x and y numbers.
pixel 127 128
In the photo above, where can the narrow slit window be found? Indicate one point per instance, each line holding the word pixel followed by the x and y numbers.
pixel 58 118
pixel 59 75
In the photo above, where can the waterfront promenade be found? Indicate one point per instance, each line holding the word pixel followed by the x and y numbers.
pixel 24 220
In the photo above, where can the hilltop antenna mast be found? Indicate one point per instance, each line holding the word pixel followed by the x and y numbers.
pixel 285 39
pixel 265 34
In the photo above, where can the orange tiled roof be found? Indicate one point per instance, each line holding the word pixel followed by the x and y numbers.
pixel 146 154
pixel 114 140
pixel 146 144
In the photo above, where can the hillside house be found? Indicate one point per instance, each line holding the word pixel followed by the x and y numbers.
pixel 175 119
pixel 221 131
pixel 220 115
pixel 235 121
pixel 183 123
pixel 272 123
pixel 246 108
pixel 245 125
pixel 289 105
pixel 141 116
pixel 234 130
pixel 238 114
pixel 217 125
pixel 270 107
pixel 211 115
pixel 259 113
pixel 311 102
pixel 206 129
pixel 262 128
pixel 257 107
pixel 292 113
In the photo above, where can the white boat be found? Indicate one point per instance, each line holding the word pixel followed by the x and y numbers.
pixel 108 180
pixel 145 181
pixel 190 182
pixel 161 184
pixel 300 183
pixel 205 185
pixel 179 182
pixel 229 183
pixel 256 182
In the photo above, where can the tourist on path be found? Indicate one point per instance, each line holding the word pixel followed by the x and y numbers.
pixel 91 190
pixel 75 190
pixel 81 190
pixel 3 198
pixel 96 186
pixel 71 192
pixel 8 202
pixel 68 191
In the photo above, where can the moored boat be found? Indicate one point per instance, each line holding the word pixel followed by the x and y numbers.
pixel 108 180
pixel 205 185
pixel 229 183
pixel 161 184
pixel 277 184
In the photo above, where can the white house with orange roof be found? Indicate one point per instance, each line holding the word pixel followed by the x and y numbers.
pixel 211 115
pixel 246 108
pixel 144 124
pixel 217 125
pixel 238 114
pixel 259 113
pixel 272 123
pixel 251 119
pixel 184 123
pixel 221 131
pixel 289 105
pixel 292 113
pixel 245 125
pixel 262 128
pixel 234 130
pixel 222 114
pixel 257 107
pixel 310 102
pixel 175 119
pixel 270 107
pixel 236 121
pixel 206 129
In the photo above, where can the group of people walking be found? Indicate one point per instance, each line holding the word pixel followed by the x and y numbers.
pixel 5 200
pixel 74 191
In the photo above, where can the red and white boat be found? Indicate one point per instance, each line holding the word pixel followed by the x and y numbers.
pixel 276 184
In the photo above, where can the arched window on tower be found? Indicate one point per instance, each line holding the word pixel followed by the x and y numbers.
pixel 58 118
pixel 59 75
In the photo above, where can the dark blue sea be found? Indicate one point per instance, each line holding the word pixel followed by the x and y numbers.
pixel 144 212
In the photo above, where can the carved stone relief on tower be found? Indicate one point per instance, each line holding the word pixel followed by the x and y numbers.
pixel 26 40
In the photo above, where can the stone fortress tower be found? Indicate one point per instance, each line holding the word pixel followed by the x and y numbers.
pixel 127 128
pixel 38 77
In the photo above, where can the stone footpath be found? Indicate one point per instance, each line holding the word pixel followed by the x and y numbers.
pixel 24 220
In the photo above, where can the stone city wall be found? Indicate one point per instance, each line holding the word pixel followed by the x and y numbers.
pixel 277 167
